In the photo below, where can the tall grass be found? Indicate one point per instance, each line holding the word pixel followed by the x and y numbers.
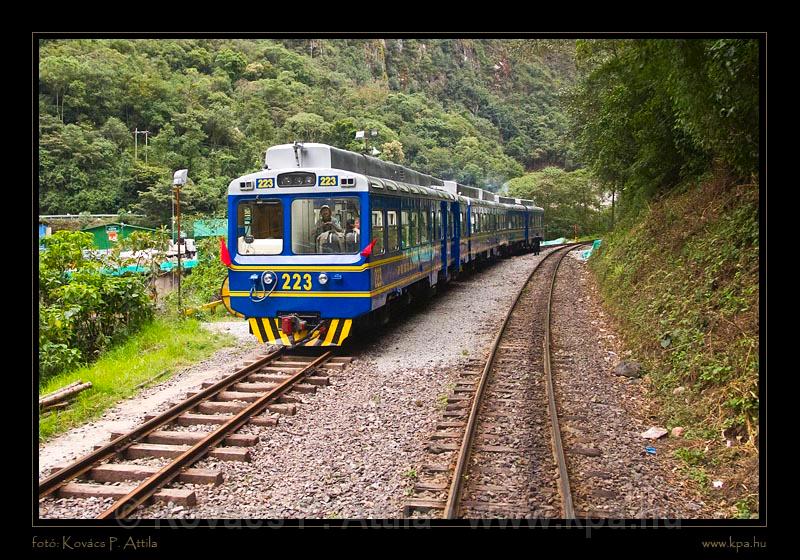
pixel 163 344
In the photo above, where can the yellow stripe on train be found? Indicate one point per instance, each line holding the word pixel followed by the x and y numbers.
pixel 268 330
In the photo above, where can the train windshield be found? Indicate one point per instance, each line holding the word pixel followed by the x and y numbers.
pixel 325 225
pixel 260 227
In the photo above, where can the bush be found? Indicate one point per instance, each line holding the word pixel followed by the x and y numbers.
pixel 82 310
pixel 204 282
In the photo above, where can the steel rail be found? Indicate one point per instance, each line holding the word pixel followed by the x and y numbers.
pixel 558 447
pixel 456 484
pixel 56 480
pixel 125 505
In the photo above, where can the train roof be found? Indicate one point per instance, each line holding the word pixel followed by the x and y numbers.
pixel 323 155
pixel 385 174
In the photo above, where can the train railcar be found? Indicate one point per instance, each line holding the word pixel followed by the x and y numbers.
pixel 323 239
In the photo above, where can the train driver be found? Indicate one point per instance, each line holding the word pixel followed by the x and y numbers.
pixel 326 222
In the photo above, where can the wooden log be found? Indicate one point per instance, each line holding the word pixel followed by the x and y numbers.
pixel 55 406
pixel 59 391
pixel 64 395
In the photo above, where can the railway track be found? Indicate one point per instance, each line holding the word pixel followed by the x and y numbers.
pixel 498 451
pixel 222 407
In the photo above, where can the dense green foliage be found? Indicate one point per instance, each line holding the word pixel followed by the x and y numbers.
pixel 477 111
pixel 682 279
pixel 691 297
pixel 569 199
pixel 82 310
pixel 648 115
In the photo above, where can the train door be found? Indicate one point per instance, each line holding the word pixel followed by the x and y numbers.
pixel 441 232
pixel 453 233
pixel 527 229
pixel 470 230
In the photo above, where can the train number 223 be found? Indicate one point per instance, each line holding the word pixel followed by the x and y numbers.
pixel 296 282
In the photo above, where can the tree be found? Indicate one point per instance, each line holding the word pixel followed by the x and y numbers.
pixel 648 115
pixel 568 199
pixel 307 127
pixel 232 62
pixel 392 151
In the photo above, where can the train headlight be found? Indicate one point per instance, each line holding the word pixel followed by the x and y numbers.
pixel 323 278
pixel 269 278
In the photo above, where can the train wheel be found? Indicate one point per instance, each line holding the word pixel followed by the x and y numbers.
pixel 225 296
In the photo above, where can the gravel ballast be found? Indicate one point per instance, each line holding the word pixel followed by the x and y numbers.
pixel 347 451
pixel 603 415
pixel 352 447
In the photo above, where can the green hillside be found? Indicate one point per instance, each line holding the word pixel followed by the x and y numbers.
pixel 477 111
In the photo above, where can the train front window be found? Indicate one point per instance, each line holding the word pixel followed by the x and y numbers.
pixel 326 225
pixel 260 227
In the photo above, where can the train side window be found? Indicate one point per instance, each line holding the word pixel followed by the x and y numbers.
pixel 439 228
pixel 260 227
pixel 378 232
pixel 450 224
pixel 393 226
pixel 408 224
pixel 424 232
pixel 414 233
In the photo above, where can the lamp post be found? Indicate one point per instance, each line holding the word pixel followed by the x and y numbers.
pixel 178 180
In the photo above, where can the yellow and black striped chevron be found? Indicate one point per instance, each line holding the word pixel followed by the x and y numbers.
pixel 268 330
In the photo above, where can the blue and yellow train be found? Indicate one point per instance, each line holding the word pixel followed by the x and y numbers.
pixel 323 240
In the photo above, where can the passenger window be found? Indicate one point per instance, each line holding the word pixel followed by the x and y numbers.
pixel 405 227
pixel 378 230
pixel 423 224
pixel 393 226
pixel 450 224
pixel 414 231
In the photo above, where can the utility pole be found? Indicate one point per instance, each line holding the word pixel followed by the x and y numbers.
pixel 136 134
pixel 178 180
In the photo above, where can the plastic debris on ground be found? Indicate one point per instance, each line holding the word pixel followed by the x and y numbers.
pixel 654 433
pixel 650 450
pixel 584 255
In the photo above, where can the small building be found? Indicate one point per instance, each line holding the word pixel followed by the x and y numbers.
pixel 44 231
pixel 214 227
pixel 106 235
